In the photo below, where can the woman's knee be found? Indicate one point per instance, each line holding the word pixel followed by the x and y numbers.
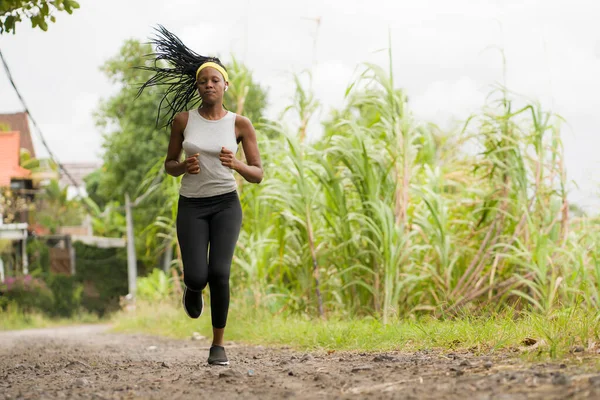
pixel 195 282
pixel 219 276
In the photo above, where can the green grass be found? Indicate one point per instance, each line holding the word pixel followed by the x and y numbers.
pixel 555 335
pixel 13 319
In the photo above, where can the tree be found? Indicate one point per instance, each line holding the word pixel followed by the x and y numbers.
pixel 54 208
pixel 245 96
pixel 132 142
pixel 39 12
pixel 134 147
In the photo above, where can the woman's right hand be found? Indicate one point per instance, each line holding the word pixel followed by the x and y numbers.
pixel 192 166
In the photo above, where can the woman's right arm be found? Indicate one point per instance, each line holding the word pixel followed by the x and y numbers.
pixel 173 166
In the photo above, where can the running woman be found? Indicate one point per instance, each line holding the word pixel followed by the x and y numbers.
pixel 209 214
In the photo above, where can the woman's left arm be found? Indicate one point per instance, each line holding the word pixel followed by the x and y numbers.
pixel 252 171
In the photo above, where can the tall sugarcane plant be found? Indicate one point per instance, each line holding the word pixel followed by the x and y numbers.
pixel 387 216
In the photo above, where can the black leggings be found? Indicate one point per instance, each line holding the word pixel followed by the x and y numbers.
pixel 213 221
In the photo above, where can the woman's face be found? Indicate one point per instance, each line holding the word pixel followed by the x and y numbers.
pixel 211 86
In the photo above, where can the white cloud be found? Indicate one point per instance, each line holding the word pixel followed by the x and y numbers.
pixel 444 102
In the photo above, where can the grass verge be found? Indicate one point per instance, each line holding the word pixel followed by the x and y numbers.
pixel 555 336
pixel 12 319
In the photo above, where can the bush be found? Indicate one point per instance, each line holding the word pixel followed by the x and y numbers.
pixel 38 253
pixel 99 281
pixel 156 287
pixel 29 293
pixel 103 273
pixel 66 290
pixel 55 295
pixel 67 294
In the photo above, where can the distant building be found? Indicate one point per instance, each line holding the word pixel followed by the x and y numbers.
pixel 11 173
pixel 18 179
pixel 18 122
pixel 15 137
pixel 78 171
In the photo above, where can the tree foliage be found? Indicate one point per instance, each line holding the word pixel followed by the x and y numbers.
pixel 132 142
pixel 134 147
pixel 39 12
pixel 54 208
pixel 245 96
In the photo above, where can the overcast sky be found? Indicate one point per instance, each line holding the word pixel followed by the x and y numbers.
pixel 441 53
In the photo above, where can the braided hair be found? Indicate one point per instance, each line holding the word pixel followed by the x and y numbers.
pixel 179 75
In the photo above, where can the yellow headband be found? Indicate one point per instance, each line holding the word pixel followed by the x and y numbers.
pixel 215 66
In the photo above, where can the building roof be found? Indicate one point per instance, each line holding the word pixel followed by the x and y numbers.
pixel 9 158
pixel 78 171
pixel 19 122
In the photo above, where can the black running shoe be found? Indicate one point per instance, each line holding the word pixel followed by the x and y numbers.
pixel 193 304
pixel 217 356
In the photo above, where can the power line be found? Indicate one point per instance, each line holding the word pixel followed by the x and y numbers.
pixel 135 203
pixel 38 130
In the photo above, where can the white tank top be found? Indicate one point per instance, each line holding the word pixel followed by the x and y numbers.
pixel 206 137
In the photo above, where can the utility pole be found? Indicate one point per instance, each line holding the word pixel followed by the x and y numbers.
pixel 131 258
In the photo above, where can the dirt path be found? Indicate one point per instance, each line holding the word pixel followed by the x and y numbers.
pixel 90 363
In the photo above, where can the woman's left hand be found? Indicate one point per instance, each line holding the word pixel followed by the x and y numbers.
pixel 228 159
